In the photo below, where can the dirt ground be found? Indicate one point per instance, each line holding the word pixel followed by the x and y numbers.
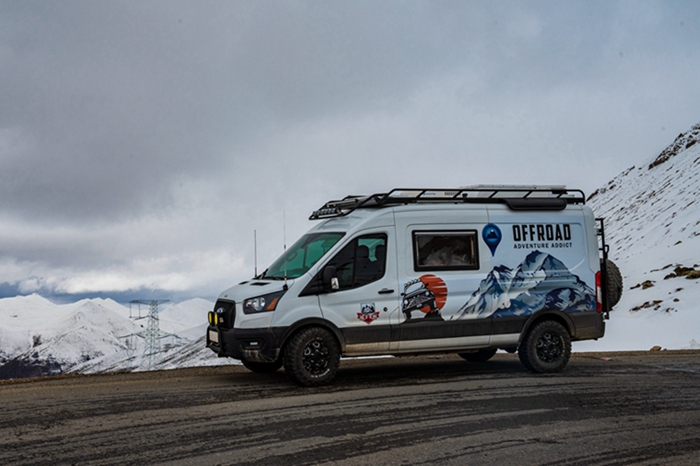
pixel 604 408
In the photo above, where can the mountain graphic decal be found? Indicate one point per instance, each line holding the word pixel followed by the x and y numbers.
pixel 541 281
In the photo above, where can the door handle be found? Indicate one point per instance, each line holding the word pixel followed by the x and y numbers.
pixel 385 291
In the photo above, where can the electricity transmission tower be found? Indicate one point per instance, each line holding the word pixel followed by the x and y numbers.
pixel 152 335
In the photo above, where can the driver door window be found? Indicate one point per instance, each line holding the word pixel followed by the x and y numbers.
pixel 360 262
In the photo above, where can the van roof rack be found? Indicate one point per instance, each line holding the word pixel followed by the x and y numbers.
pixel 516 197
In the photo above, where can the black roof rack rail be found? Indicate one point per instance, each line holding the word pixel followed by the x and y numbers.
pixel 516 197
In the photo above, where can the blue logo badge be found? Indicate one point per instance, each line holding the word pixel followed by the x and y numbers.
pixel 492 237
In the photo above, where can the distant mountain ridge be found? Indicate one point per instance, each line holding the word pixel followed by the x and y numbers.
pixel 38 337
pixel 683 141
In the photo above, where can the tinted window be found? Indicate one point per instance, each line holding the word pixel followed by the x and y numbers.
pixel 445 250
pixel 361 261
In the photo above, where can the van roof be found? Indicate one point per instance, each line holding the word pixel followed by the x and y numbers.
pixel 516 197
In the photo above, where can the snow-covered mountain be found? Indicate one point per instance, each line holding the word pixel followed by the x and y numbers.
pixel 38 337
pixel 540 281
pixel 652 223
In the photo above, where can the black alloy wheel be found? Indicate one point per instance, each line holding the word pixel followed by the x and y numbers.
pixel 549 347
pixel 546 347
pixel 315 358
pixel 312 357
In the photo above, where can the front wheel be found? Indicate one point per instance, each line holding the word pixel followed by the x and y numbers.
pixel 312 357
pixel 546 347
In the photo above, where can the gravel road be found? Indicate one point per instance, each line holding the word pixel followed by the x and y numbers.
pixel 607 409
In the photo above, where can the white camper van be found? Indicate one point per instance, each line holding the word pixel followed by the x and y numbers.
pixel 414 271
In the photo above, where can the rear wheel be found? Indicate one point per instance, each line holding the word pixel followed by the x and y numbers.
pixel 312 357
pixel 546 347
pixel 482 355
pixel 263 367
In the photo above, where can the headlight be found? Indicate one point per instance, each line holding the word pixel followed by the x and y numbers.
pixel 264 303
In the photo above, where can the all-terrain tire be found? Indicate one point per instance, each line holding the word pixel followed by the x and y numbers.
pixel 312 357
pixel 482 355
pixel 546 347
pixel 263 367
pixel 614 290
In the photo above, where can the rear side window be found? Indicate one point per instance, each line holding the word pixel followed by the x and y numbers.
pixel 445 250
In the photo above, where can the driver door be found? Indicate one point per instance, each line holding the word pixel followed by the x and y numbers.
pixel 365 307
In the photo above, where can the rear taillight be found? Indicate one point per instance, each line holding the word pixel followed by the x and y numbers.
pixel 598 293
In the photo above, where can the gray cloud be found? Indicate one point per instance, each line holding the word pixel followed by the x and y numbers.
pixel 141 143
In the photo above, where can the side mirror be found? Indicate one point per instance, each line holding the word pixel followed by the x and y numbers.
pixel 330 278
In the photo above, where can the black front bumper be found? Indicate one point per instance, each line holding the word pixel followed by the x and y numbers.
pixel 257 345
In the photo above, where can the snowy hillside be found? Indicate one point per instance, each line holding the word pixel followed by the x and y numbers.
pixel 652 223
pixel 38 337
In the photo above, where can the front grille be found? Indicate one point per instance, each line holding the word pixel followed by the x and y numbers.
pixel 226 311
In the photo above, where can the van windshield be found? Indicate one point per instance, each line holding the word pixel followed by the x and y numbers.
pixel 302 255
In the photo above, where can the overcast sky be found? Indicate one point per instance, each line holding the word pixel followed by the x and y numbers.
pixel 143 142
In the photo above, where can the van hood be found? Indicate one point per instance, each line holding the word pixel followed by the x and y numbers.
pixel 253 288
